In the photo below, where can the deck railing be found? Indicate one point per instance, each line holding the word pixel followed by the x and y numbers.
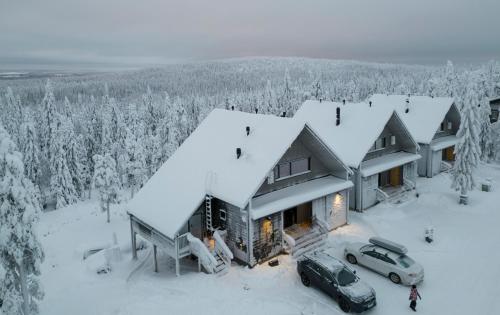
pixel 381 195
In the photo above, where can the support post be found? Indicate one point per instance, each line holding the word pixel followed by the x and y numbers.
pixel 177 263
pixel 155 258
pixel 133 236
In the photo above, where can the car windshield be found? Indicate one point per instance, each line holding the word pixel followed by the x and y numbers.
pixel 405 261
pixel 345 277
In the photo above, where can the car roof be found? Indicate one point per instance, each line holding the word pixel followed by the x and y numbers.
pixel 327 260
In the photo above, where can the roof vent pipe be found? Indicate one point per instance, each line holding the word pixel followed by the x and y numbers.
pixel 407 110
pixel 283 114
pixel 248 130
pixel 343 102
pixel 370 103
pixel 256 110
pixel 238 153
pixel 338 116
pixel 320 100
pixel 232 107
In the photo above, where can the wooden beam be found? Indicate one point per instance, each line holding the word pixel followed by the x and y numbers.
pixel 155 258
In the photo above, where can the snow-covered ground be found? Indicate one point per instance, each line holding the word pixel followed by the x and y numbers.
pixel 461 266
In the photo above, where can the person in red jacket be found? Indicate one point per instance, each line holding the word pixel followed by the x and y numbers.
pixel 413 297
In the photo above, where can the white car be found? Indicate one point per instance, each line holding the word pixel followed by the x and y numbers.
pixel 387 258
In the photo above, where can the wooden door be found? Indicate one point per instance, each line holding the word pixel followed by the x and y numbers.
pixel 395 176
pixel 450 156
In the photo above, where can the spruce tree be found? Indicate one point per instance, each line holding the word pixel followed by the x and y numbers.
pixel 105 180
pixel 467 149
pixel 20 251
pixel 61 181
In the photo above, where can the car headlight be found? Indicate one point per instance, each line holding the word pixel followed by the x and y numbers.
pixel 357 299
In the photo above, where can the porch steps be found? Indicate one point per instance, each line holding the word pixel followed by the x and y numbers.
pixel 308 242
pixel 400 197
pixel 222 267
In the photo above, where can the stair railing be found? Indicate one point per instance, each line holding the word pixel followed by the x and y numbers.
pixel 199 249
pixel 221 248
pixel 381 195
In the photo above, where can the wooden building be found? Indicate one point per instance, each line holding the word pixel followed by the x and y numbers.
pixel 242 187
pixel 433 122
pixel 373 141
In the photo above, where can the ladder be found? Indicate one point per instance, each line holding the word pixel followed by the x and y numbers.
pixel 208 213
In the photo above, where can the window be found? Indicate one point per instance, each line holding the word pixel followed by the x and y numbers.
pixel 450 125
pixel 384 142
pixel 405 261
pixel 295 167
pixel 441 127
pixel 345 277
pixel 222 214
pixel 284 170
pixel 300 166
pixel 393 140
pixel 387 259
pixel 379 144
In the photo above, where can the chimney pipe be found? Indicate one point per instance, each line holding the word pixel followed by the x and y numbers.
pixel 232 107
pixel 283 115
pixel 238 153
pixel 338 116
pixel 343 101
pixel 256 110
pixel 248 130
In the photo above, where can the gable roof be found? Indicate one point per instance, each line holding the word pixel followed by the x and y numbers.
pixel 424 116
pixel 360 125
pixel 206 163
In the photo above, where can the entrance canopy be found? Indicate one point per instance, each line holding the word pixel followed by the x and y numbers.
pixel 444 142
pixel 386 162
pixel 295 195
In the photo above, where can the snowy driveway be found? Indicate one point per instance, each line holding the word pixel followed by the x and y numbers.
pixel 461 267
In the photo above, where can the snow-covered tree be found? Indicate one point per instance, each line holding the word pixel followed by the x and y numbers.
pixel 47 124
pixel 485 132
pixel 136 164
pixel 29 146
pixel 20 251
pixel 449 82
pixel 467 149
pixel 61 180
pixel 105 180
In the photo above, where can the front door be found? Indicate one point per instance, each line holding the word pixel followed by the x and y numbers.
pixel 395 176
pixel 450 155
pixel 195 225
pixel 289 217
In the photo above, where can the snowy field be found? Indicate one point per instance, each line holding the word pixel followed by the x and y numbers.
pixel 461 266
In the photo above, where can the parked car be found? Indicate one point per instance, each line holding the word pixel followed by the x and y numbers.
pixel 387 258
pixel 322 270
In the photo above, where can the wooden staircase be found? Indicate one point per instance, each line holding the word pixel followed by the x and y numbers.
pixel 305 240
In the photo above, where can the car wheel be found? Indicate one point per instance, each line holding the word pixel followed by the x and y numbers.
pixel 351 259
pixel 344 305
pixel 305 280
pixel 394 278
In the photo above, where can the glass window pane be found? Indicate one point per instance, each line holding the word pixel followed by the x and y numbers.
pixel 300 166
pixel 284 169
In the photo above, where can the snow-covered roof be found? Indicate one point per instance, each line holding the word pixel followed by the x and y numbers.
pixel 360 125
pixel 424 116
pixel 443 142
pixel 297 194
pixel 386 162
pixel 206 163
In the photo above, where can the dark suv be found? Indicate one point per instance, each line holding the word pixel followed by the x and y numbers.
pixel 331 275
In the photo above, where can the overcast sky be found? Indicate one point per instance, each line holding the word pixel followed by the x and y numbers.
pixel 149 32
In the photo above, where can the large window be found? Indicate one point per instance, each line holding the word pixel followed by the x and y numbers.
pixel 292 168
